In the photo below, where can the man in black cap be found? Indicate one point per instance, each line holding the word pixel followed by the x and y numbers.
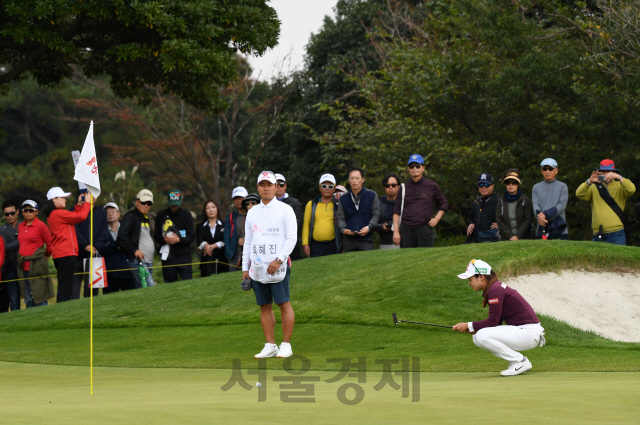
pixel 482 220
pixel 175 233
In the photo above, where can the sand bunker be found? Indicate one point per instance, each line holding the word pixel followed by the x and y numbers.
pixel 605 303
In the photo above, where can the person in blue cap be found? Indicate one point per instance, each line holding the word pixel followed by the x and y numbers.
pixel 550 199
pixel 413 219
pixel 482 220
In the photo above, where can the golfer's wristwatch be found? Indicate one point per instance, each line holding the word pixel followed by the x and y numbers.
pixel 279 261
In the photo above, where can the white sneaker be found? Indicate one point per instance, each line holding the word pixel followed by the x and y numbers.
pixel 269 350
pixel 285 350
pixel 516 368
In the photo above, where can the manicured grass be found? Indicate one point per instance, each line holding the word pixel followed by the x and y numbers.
pixel 123 396
pixel 343 308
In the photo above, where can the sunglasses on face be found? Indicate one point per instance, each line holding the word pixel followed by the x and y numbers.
pixel 387 186
pixel 11 213
pixel 28 211
pixel 412 166
pixel 252 202
pixel 327 186
pixel 510 183
pixel 281 184
pixel 547 168
pixel 147 203
pixel 484 184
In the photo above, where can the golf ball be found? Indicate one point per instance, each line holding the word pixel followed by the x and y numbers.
pixel 258 385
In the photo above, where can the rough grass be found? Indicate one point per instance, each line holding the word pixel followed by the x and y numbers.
pixel 343 308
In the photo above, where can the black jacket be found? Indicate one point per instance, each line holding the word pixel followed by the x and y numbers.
pixel 203 234
pixel 386 216
pixel 83 230
pixel 483 214
pixel 183 221
pixel 11 247
pixel 524 218
pixel 129 233
pixel 114 258
pixel 297 209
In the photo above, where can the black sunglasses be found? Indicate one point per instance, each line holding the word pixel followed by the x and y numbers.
pixel 484 184
pixel 547 168
pixel 387 186
pixel 12 213
pixel 327 186
pixel 510 182
pixel 252 202
pixel 147 203
pixel 411 167
pixel 281 184
pixel 27 211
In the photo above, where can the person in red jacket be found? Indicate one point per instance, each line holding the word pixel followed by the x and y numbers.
pixel 64 244
pixel 32 234
pixel 522 330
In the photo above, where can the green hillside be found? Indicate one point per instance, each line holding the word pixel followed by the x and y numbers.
pixel 343 309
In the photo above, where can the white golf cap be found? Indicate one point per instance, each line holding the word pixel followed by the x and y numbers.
pixel 268 176
pixel 145 195
pixel 112 205
pixel 327 178
pixel 475 267
pixel 56 192
pixel 239 192
pixel 280 177
pixel 31 203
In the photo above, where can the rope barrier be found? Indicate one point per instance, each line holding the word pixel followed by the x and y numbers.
pixel 124 270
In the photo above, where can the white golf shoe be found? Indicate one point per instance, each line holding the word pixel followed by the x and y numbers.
pixel 516 368
pixel 269 350
pixel 285 350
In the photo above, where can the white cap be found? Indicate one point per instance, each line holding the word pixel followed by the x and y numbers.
pixel 239 192
pixel 327 178
pixel 56 192
pixel 268 176
pixel 31 203
pixel 112 205
pixel 475 267
pixel 280 177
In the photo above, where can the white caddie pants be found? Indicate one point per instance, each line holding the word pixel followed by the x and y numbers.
pixel 505 341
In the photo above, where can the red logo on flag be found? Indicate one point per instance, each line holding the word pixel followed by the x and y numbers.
pixel 94 165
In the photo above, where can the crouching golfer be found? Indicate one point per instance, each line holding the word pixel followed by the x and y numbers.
pixel 522 330
pixel 270 236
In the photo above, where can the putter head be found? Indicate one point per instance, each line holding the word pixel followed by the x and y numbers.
pixel 395 319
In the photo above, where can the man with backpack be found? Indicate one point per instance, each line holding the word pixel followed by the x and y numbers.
pixel 320 235
pixel 607 191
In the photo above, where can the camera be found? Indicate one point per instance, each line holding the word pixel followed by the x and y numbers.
pixel 602 178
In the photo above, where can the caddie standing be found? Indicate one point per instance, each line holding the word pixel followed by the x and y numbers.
pixel 270 236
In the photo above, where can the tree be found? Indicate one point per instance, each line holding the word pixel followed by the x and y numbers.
pixel 186 47
pixel 482 87
pixel 205 154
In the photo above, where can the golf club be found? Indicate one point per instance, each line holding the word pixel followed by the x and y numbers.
pixel 396 321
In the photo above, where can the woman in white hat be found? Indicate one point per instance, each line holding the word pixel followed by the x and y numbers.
pixel 64 243
pixel 522 330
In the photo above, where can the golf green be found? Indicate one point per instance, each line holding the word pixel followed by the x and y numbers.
pixel 31 392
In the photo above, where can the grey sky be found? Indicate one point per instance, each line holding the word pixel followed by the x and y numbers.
pixel 299 18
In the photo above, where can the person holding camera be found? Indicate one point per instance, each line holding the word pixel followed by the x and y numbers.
pixel 607 191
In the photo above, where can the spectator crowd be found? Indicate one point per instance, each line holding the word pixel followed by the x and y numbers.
pixel 337 220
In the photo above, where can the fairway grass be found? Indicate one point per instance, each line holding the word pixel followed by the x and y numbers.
pixel 124 396
pixel 343 308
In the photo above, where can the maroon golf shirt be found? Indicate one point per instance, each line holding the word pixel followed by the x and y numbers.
pixel 419 202
pixel 506 305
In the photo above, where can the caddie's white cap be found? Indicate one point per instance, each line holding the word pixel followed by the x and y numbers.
pixel 56 192
pixel 268 176
pixel 327 178
pixel 112 205
pixel 280 177
pixel 475 267
pixel 239 192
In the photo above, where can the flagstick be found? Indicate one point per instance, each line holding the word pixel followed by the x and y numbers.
pixel 91 288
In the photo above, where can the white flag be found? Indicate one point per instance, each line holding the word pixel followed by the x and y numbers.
pixel 76 157
pixel 87 168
